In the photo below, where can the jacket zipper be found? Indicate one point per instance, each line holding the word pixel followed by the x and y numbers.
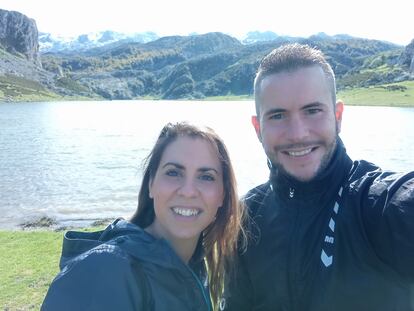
pixel 202 288
pixel 291 270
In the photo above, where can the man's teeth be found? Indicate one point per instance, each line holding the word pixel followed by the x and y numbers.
pixel 185 211
pixel 299 153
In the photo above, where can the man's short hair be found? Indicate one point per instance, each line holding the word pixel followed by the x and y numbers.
pixel 291 57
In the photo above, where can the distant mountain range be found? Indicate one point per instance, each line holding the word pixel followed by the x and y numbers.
pixel 111 65
pixel 83 42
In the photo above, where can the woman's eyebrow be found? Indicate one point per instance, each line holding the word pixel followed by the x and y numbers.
pixel 182 167
pixel 206 169
pixel 177 165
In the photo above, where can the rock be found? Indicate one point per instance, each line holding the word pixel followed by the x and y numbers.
pixel 19 35
pixel 407 57
pixel 42 222
pixel 412 65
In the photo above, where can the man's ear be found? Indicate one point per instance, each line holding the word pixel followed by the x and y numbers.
pixel 256 125
pixel 339 109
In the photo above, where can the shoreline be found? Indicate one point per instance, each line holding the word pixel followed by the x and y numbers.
pixel 346 101
pixel 50 224
pixel 376 95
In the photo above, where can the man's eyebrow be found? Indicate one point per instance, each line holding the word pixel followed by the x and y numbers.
pixel 274 110
pixel 313 104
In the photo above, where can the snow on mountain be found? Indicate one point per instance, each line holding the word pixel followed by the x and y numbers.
pixel 55 43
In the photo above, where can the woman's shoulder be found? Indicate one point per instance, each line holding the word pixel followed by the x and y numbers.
pixel 96 278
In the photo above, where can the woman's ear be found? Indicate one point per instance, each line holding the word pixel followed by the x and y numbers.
pixel 150 188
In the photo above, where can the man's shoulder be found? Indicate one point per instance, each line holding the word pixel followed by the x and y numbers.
pixel 257 197
pixel 260 191
pixel 370 180
pixel 365 173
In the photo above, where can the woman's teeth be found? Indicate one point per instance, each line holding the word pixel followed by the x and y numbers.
pixel 186 211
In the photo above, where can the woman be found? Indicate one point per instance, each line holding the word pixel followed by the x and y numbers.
pixel 187 222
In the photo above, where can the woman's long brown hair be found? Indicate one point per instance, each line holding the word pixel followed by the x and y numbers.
pixel 220 239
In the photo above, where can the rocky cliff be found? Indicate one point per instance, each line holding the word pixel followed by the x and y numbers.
pixel 19 35
pixel 407 57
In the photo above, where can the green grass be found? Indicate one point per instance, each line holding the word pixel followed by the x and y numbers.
pixel 18 89
pixel 228 97
pixel 384 95
pixel 21 89
pixel 28 263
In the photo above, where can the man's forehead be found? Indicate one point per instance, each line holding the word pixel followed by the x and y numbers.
pixel 294 90
pixel 295 73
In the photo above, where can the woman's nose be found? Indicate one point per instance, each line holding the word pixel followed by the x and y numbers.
pixel 188 188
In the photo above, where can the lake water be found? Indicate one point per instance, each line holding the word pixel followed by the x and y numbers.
pixel 77 161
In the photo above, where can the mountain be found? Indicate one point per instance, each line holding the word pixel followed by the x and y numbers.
pixel 407 57
pixel 21 72
pixel 108 65
pixel 18 35
pixel 213 64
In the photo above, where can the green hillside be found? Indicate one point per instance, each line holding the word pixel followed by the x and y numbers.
pixel 209 66
pixel 396 94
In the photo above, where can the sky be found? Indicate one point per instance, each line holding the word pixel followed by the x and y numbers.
pixel 388 21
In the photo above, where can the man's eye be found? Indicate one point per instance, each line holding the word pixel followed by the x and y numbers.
pixel 276 116
pixel 313 110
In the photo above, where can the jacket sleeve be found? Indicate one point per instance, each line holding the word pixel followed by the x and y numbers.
pixel 99 280
pixel 388 212
pixel 238 292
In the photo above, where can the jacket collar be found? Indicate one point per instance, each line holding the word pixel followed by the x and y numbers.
pixel 133 239
pixel 331 178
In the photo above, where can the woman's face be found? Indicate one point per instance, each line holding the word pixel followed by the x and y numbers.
pixel 187 189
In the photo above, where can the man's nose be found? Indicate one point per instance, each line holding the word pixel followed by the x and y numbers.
pixel 298 129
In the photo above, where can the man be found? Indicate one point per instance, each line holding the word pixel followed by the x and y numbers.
pixel 328 234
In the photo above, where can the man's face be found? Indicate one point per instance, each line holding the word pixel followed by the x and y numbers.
pixel 298 126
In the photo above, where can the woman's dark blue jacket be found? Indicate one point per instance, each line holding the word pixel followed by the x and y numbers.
pixel 125 268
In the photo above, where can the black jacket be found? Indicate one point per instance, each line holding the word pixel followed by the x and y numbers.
pixel 125 268
pixel 344 241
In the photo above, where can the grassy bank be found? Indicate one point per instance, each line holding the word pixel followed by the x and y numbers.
pixel 19 89
pixel 391 95
pixel 28 263
pixel 396 94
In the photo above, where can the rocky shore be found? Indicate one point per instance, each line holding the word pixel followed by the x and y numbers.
pixel 48 223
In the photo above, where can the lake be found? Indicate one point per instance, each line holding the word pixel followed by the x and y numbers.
pixel 81 161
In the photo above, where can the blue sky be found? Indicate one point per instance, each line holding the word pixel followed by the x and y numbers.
pixel 373 19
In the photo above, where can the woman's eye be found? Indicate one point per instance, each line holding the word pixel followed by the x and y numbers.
pixel 207 177
pixel 172 173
